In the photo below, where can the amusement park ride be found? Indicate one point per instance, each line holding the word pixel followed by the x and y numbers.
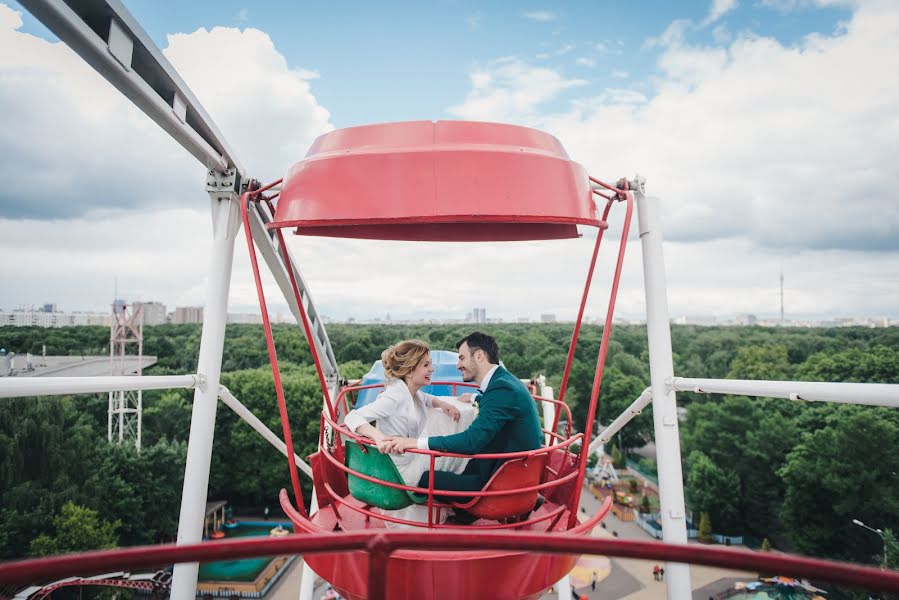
pixel 415 181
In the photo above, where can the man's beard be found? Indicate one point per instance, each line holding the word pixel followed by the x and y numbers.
pixel 468 376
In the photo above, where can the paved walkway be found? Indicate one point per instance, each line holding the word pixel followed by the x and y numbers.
pixel 631 579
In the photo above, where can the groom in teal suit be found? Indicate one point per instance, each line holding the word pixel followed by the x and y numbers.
pixel 506 422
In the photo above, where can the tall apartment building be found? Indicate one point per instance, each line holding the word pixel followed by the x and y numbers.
pixel 188 314
pixel 478 315
pixel 39 318
pixel 154 313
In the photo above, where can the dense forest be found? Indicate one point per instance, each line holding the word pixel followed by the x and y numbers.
pixel 794 472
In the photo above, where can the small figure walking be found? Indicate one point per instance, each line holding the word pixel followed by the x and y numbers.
pixel 655 572
pixel 661 573
pixel 265 512
pixel 593 583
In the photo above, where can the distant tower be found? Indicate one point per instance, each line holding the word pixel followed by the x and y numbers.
pixel 781 294
pixel 125 408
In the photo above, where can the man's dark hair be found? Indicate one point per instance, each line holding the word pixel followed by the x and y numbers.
pixel 481 341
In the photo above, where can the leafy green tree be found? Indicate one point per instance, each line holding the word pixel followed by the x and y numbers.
pixel 644 505
pixel 76 529
pixel 879 364
pixel 761 362
pixel 142 489
pixel 714 491
pixel 166 416
pixel 617 457
pixel 840 473
pixel 891 544
pixel 766 545
pixel 705 527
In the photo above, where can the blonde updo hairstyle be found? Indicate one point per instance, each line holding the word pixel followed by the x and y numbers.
pixel 401 359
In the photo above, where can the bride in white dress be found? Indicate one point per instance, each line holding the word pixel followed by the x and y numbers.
pixel 402 409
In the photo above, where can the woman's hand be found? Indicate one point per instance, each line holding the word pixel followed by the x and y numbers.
pixel 451 411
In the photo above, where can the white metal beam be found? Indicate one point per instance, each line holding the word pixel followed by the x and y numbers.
pixel 623 419
pixel 874 394
pixel 253 421
pixel 226 223
pixel 664 408
pixel 108 37
pixel 20 387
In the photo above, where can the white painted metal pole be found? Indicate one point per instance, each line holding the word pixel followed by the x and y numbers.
pixel 664 408
pixel 549 412
pixel 563 588
pixel 308 576
pixel 226 222
pixel 873 394
pixel 21 387
pixel 623 419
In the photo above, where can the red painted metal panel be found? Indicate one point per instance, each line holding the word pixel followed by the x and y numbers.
pixel 397 543
pixel 443 181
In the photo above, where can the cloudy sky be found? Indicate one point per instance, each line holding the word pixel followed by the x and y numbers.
pixel 769 129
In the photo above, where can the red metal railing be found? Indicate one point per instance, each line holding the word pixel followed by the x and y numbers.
pixel 620 193
pixel 549 478
pixel 381 546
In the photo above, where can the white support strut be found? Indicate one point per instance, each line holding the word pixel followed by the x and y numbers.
pixel 226 223
pixel 623 419
pixel 253 421
pixel 21 387
pixel 664 408
pixel 873 394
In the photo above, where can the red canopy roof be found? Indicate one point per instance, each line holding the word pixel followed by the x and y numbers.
pixel 443 181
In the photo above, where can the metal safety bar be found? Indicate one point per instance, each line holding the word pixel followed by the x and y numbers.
pixel 381 546
pixel 108 37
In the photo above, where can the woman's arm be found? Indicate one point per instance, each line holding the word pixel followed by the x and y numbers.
pixel 359 420
pixel 374 434
pixel 448 409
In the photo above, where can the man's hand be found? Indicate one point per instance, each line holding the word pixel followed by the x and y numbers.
pixel 466 398
pixel 399 445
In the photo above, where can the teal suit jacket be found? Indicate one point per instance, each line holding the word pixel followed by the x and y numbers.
pixel 507 422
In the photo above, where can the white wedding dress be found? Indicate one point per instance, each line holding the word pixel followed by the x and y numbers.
pixel 398 413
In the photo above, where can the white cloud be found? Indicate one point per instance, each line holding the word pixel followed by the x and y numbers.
pixel 617 74
pixel 721 35
pixel 265 108
pixel 718 9
pixel 585 61
pixel 243 15
pixel 763 154
pixel 76 137
pixel 95 190
pixel 672 36
pixel 509 89
pixel 540 16
pixel 565 49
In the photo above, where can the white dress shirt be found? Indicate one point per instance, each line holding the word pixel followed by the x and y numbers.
pixel 396 411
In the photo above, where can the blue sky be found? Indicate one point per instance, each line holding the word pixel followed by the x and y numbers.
pixel 397 61
pixel 767 128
